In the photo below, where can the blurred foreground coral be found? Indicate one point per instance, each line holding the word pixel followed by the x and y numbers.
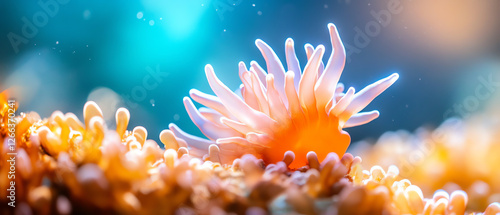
pixel 65 166
pixel 461 154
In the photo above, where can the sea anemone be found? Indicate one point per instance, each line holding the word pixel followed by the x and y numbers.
pixel 281 111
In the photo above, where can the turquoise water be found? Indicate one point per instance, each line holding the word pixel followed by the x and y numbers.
pixel 57 53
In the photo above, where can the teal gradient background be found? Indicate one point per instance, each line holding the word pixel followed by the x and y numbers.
pixel 87 45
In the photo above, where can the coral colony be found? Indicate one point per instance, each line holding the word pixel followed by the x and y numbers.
pixel 276 146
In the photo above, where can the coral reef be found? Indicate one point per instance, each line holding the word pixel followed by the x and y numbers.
pixel 459 154
pixel 278 148
pixel 65 166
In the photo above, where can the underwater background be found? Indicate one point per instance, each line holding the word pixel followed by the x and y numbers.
pixel 56 55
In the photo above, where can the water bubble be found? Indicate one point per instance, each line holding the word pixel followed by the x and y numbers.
pixel 259 13
pixel 140 15
pixel 151 22
pixel 176 117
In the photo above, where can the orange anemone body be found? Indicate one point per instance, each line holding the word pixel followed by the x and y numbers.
pixel 321 137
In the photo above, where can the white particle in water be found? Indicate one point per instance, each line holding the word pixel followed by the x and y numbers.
pixel 176 117
pixel 151 22
pixel 140 15
pixel 259 13
pixel 86 14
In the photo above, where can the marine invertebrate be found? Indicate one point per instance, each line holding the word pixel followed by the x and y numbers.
pixel 281 111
